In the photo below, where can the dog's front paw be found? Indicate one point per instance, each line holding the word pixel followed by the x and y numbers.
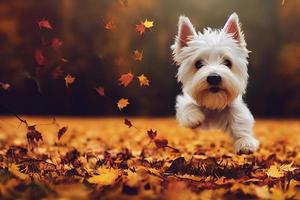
pixel 191 117
pixel 246 145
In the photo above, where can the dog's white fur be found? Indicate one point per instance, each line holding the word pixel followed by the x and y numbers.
pixel 197 106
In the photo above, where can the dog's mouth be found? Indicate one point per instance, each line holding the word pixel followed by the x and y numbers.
pixel 214 89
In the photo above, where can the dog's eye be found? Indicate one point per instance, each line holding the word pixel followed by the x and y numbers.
pixel 228 63
pixel 199 64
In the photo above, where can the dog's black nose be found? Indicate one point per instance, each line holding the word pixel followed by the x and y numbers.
pixel 214 79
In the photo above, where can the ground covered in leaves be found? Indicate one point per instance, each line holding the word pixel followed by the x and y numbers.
pixel 109 158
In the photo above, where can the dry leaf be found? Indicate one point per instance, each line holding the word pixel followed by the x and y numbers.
pixel 275 172
pixel 140 28
pixel 128 123
pixel 61 132
pixel 4 86
pixel 100 90
pixel 148 24
pixel 44 24
pixel 40 58
pixel 126 79
pixel 143 80
pixel 110 25
pixel 122 103
pixel 107 176
pixel 137 55
pixel 288 167
pixel 69 80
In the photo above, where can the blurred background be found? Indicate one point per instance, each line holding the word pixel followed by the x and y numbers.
pixel 98 56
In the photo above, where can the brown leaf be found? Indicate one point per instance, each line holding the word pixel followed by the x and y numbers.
pixel 151 134
pixel 33 136
pixel 61 132
pixel 128 123
pixel 161 143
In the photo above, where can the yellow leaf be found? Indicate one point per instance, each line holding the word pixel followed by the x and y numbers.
pixel 107 176
pixel 69 80
pixel 122 103
pixel 262 192
pixel 14 169
pixel 148 24
pixel 275 172
pixel 288 167
pixel 143 80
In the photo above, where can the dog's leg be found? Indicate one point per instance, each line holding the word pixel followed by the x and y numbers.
pixel 241 123
pixel 187 113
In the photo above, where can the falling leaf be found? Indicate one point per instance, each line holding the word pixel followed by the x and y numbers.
pixel 123 3
pixel 4 86
pixel 143 80
pixel 151 134
pixel 69 80
pixel 274 172
pixel 148 24
pixel 56 43
pixel 110 25
pixel 140 28
pixel 137 55
pixel 33 136
pixel 107 176
pixel 122 103
pixel 44 24
pixel 100 90
pixel 64 60
pixel 40 58
pixel 126 79
pixel 128 123
pixel 61 132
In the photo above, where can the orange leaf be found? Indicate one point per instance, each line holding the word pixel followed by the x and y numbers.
pixel 137 55
pixel 126 79
pixel 122 103
pixel 69 80
pixel 100 90
pixel 140 28
pixel 44 24
pixel 110 25
pixel 143 80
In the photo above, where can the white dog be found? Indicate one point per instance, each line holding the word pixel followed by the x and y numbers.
pixel 213 73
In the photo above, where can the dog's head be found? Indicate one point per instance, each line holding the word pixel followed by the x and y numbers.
pixel 213 64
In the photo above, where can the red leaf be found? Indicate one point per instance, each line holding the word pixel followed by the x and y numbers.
pixel 44 24
pixel 126 79
pixel 40 58
pixel 61 132
pixel 56 43
pixel 140 28
pixel 100 90
pixel 128 123
pixel 152 134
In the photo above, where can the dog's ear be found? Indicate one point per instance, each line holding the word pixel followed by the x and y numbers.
pixel 185 31
pixel 233 27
